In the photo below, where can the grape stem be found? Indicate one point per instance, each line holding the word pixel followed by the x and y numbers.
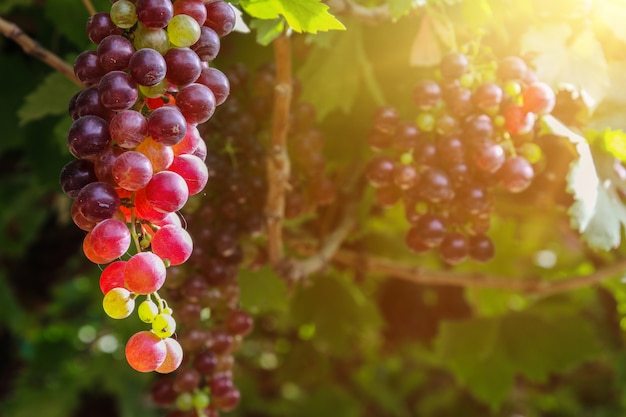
pixel 31 47
pixel 278 165
pixel 133 224
pixel 531 286
pixel 89 7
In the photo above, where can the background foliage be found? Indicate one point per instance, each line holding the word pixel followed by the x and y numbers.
pixel 348 342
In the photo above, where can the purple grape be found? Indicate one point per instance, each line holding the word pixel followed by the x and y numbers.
pixel 118 91
pixel 88 137
pixel 147 67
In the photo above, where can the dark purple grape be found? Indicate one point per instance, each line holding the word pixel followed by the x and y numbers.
pixel 459 102
pixel 430 230
pixel 186 380
pixel 87 68
pixel 167 125
pixel 75 175
pixel 217 82
pixel 487 97
pixel 208 46
pixel 414 239
pixel 516 174
pixel 147 67
pixel 228 400
pixel 451 150
pixel 380 171
pixel 88 104
pixel 481 248
pixel 426 94
pixel 453 65
pixel 205 362
pixel 239 323
pixel 163 392
pixel 183 66
pixel 407 137
pixel 114 53
pixel 155 14
pixel 196 102
pixel 405 176
pixel 88 137
pixel 426 154
pixel 435 186
pixel 220 17
pixel 454 248
pixel 474 199
pixel 386 119
pixel 98 201
pixel 117 91
pixel 478 129
pixel 99 26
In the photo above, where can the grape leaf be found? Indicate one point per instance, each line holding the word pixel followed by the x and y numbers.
pixel 267 30
pixel 49 98
pixel 331 77
pixel 613 14
pixel 309 16
pixel 262 291
pixel 7 5
pixel 64 14
pixel 565 56
pixel 399 8
pixel 597 212
pixel 485 354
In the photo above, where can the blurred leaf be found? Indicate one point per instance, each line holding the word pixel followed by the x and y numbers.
pixel 565 56
pixel 309 16
pixel 477 13
pixel 613 14
pixel 7 5
pixel 399 8
pixel 50 97
pixel 426 50
pixel 262 291
pixel 69 17
pixel 267 30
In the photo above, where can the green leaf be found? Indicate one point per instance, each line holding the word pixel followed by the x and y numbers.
pixel 399 8
pixel 49 98
pixel 331 78
pixel 69 18
pixel 567 55
pixel 7 5
pixel 267 30
pixel 309 16
pixel 485 354
pixel 598 212
pixel 262 291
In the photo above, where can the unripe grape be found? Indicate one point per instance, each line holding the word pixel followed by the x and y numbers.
pixel 147 311
pixel 183 30
pixel 173 357
pixel 118 303
pixel 164 325
pixel 123 14
pixel 145 351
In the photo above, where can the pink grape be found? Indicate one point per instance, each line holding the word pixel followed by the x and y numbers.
pixel 112 276
pixel 132 170
pixel 167 191
pixel 173 356
pixel 145 351
pixel 193 8
pixel 193 170
pixel 144 210
pixel 172 243
pixel 170 218
pixel 190 141
pixel 160 156
pixel 79 220
pixel 98 201
pixel 196 102
pixel 128 128
pixel 110 239
pixel 89 252
pixel 144 273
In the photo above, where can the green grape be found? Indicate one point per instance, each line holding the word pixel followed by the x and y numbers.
pixel 151 38
pixel 426 122
pixel 531 151
pixel 118 303
pixel 183 30
pixel 168 311
pixel 164 325
pixel 147 311
pixel 184 401
pixel 123 14
pixel 154 91
pixel 200 400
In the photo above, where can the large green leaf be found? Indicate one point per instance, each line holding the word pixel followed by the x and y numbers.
pixel 309 16
pixel 598 212
pixel 262 291
pixel 486 354
pixel 50 97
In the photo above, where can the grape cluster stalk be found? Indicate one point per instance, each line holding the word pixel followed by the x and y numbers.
pixel 139 154
pixel 473 134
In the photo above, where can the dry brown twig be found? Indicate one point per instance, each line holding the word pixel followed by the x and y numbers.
pixel 31 47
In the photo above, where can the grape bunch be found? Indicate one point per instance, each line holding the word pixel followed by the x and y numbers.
pixel 473 136
pixel 139 154
pixel 205 291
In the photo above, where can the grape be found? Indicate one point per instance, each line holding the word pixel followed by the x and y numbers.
pixel 172 243
pixel 539 98
pixel 114 53
pixel 118 303
pixel 228 400
pixel 239 323
pixel 75 175
pixel 405 177
pixel 80 220
pixel 148 38
pixel 380 171
pixel 518 121
pixel 217 82
pixel 110 239
pixel 190 143
pixel 407 137
pixel 193 8
pixel 435 186
pixel 155 92
pixel 426 94
pixel 167 125
pixel 160 156
pixel 88 136
pixel 454 248
pixel 132 170
pixel 516 174
pixel 481 248
pixel 167 191
pixel 98 201
pixel 200 400
pixel 208 44
pixel 414 241
pixel 453 65
pixel 187 380
pixel 430 229
pixel 196 102
pixel 124 14
pixel 478 129
pixel 117 90
pixel 103 165
pixel 451 150
pixel 87 68
pixel 147 311
pixel 489 157
pixel 144 273
pixel 90 253
pixel 147 67
pixel 145 351
pixel 173 357
pixel 162 392
pixel 128 128
pixel 183 30
pixel 220 17
pixel 144 210
pixel 205 362
pixel 88 104
pixel 183 66
pixel 512 68
pixel 487 97
pixel 154 14
pixel 99 26
pixel 112 276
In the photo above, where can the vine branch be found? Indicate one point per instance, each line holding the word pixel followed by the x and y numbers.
pixel 31 47
pixel 278 166
pixel 534 286
pixel 89 6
